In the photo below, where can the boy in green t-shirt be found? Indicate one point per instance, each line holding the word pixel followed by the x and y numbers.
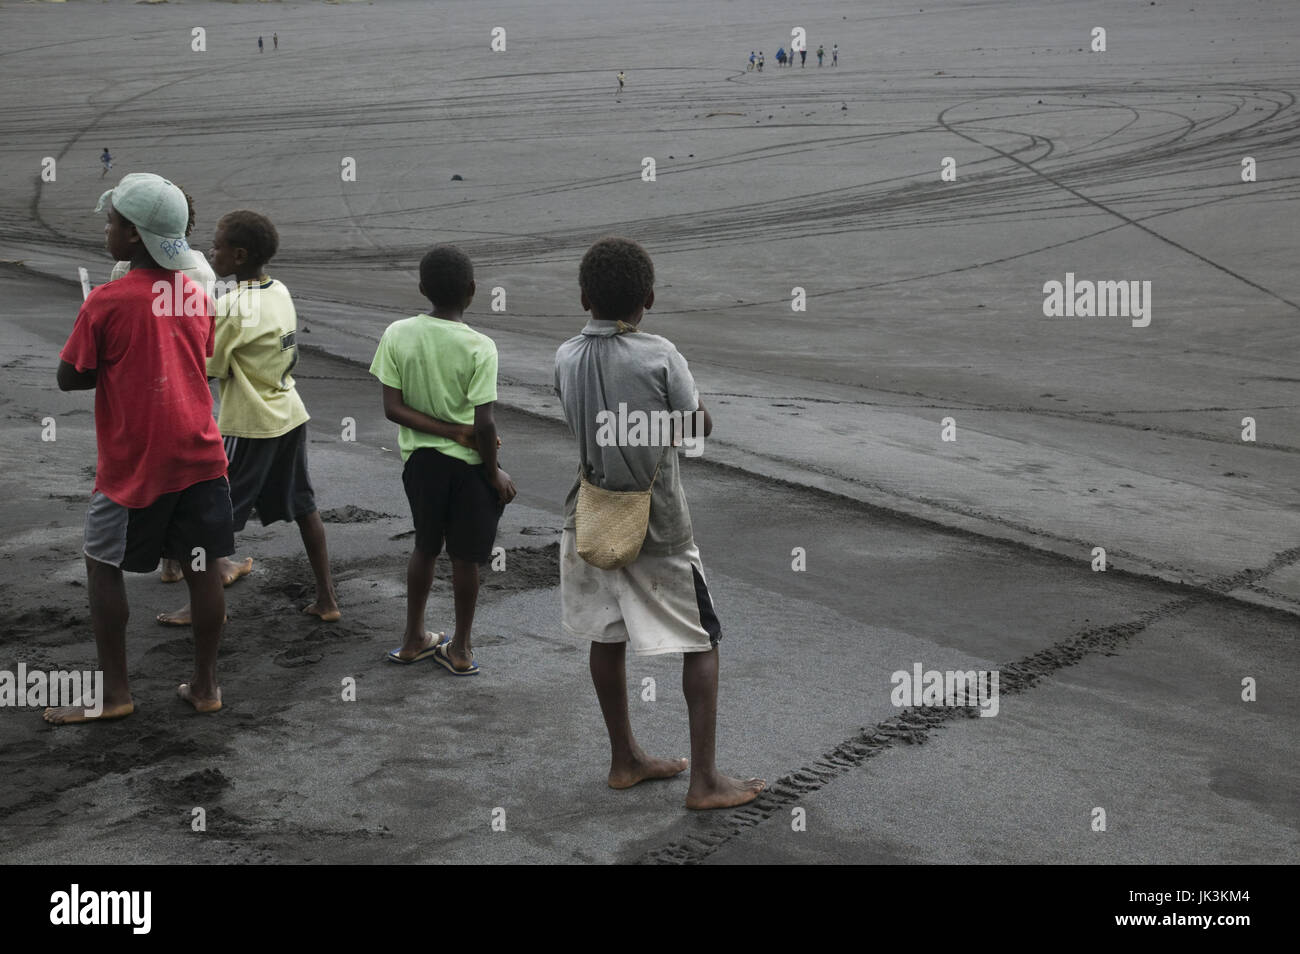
pixel 440 383
pixel 262 420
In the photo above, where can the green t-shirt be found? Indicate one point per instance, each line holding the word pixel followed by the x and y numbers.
pixel 444 369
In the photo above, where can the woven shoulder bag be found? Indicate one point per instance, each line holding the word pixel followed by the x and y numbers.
pixel 611 524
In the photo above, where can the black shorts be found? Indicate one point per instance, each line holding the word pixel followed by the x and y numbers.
pixel 451 501
pixel 270 474
pixel 173 526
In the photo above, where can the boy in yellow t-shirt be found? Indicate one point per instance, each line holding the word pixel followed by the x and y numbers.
pixel 262 418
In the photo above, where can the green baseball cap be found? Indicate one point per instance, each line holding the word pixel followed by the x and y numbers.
pixel 159 212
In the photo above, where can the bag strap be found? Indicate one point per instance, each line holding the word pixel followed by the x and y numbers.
pixel 623 328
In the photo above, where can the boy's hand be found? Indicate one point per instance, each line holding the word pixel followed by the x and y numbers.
pixel 504 486
pixel 466 438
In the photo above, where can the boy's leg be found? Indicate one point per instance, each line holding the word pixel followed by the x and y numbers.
pixel 425 481
pixel 419 578
pixel 227 571
pixel 709 788
pixel 108 616
pixel 464 584
pixel 589 600
pixel 666 607
pixel 628 764
pixel 474 510
pixel 200 531
pixel 208 603
pixel 313 540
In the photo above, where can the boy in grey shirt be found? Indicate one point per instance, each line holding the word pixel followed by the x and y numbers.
pixel 628 397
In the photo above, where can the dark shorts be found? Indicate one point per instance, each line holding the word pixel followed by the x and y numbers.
pixel 172 526
pixel 452 502
pixel 270 474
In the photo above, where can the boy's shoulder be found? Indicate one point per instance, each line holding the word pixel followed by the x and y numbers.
pixel 423 330
pixel 652 342
pixel 641 340
pixel 135 285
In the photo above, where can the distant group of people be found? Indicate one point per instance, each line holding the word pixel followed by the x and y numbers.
pixel 172 482
pixel 275 39
pixel 785 57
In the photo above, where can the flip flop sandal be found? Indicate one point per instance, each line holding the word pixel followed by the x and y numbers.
pixel 422 654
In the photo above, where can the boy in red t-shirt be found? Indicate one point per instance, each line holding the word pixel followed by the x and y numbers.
pixel 141 343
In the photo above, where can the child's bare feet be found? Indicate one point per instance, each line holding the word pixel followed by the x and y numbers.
pixel 181 617
pixel 171 571
pixel 72 715
pixel 642 768
pixel 722 792
pixel 200 703
pixel 231 571
pixel 327 608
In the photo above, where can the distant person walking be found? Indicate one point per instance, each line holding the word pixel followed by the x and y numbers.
pixel 107 161
pixel 751 61
pixel 620 81
pixel 821 51
pixel 259 44
pixel 835 54
pixel 780 55
pixel 275 40
pixel 803 57
pixel 760 61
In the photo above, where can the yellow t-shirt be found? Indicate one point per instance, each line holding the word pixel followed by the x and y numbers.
pixel 255 351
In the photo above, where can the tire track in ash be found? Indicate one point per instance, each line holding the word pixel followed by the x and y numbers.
pixel 917 724
pixel 881 206
pixel 1056 181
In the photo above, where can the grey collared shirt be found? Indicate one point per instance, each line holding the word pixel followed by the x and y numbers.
pixel 606 380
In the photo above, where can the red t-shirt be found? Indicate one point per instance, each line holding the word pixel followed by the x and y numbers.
pixel 153 410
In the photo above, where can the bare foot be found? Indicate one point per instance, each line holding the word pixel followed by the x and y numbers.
pixel 231 571
pixel 725 792
pixel 181 617
pixel 327 610
pixel 201 705
pixel 72 715
pixel 171 571
pixel 644 768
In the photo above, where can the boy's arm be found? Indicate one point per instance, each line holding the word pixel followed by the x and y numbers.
pixel 70 379
pixel 682 394
pixel 708 419
pixel 485 429
pixel 397 411
pixel 225 339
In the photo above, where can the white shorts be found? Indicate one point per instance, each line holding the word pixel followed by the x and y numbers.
pixel 660 604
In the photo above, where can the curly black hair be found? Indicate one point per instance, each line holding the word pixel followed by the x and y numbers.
pixel 253 232
pixel 445 275
pixel 189 202
pixel 617 277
